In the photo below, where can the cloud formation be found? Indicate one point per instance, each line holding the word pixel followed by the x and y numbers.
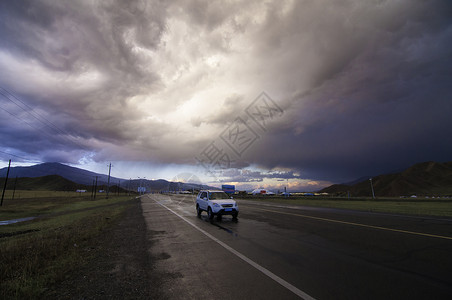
pixel 364 85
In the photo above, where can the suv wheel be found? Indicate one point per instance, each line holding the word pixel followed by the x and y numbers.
pixel 209 213
pixel 198 211
pixel 234 216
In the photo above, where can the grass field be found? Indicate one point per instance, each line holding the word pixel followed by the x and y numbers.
pixel 25 194
pixel 409 206
pixel 33 203
pixel 38 253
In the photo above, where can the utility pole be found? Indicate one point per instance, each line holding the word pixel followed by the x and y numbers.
pixel 372 187
pixel 108 184
pixel 92 190
pixel 128 186
pixel 95 189
pixel 119 184
pixel 6 180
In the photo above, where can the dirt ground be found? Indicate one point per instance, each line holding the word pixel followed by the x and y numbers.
pixel 122 268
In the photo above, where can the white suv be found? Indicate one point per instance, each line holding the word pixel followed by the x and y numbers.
pixel 216 203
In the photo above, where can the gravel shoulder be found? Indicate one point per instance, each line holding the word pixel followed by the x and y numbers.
pixel 122 267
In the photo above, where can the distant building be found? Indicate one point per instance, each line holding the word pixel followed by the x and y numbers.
pixel 262 192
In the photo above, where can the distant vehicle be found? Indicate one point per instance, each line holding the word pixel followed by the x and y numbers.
pixel 285 194
pixel 216 203
pixel 262 192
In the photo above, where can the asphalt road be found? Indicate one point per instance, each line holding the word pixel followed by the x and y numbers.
pixel 291 252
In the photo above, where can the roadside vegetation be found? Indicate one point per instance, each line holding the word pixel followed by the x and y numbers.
pixel 409 206
pixel 38 253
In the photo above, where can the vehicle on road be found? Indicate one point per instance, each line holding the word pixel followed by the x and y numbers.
pixel 216 203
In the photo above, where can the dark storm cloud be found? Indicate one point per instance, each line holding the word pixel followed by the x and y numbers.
pixel 232 107
pixel 382 106
pixel 78 45
pixel 364 85
pixel 69 35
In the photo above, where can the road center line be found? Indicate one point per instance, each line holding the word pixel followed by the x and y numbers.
pixel 265 271
pixel 358 224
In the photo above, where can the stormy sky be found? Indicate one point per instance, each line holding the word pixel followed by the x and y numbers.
pixel 254 93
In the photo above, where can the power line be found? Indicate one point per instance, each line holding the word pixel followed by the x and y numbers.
pixel 29 124
pixel 43 120
pixel 38 117
pixel 10 154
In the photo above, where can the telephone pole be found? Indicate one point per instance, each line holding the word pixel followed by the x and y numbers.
pixel 6 180
pixel 95 189
pixel 372 187
pixel 108 184
pixel 92 190
pixel 128 186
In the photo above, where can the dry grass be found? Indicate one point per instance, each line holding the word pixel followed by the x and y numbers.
pixel 36 254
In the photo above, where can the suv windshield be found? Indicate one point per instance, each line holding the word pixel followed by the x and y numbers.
pixel 218 195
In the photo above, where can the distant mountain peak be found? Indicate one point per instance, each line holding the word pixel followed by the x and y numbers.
pixel 55 168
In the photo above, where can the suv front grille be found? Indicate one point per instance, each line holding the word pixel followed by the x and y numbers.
pixel 227 205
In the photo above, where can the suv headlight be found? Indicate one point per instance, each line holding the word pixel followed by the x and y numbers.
pixel 216 204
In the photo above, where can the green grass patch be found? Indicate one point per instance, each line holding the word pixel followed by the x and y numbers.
pixel 419 207
pixel 38 253
pixel 49 202
pixel 26 194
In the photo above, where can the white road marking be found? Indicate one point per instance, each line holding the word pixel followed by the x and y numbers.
pixel 360 225
pixel 276 278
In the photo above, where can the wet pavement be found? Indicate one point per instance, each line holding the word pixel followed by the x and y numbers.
pixel 8 222
pixel 278 251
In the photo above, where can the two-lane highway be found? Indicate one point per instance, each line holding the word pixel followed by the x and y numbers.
pixel 282 251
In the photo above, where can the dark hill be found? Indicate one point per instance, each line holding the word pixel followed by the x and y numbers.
pixel 71 173
pixel 428 178
pixel 44 183
pixel 336 189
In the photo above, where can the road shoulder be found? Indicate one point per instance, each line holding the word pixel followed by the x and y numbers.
pixel 122 267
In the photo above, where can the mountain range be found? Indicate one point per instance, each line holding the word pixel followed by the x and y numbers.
pixel 422 179
pixel 71 177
